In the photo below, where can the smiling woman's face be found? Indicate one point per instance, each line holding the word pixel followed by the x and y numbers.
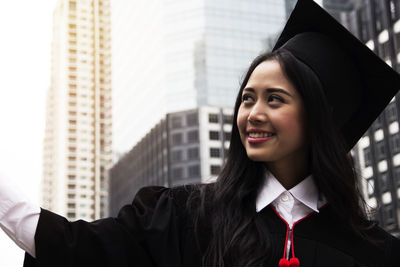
pixel 271 118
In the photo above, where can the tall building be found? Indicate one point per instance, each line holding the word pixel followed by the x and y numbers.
pixel 289 6
pixel 184 147
pixel 337 7
pixel 377 24
pixel 177 55
pixel 78 137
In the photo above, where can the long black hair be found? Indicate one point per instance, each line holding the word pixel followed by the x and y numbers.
pixel 236 239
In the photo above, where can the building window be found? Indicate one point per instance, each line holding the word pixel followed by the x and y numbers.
pixel 193 153
pixel 397 175
pixel 72 5
pixel 193 136
pixel 227 136
pixel 177 139
pixel 383 181
pixel 378 15
pixel 192 119
pixel 214 135
pixel 370 187
pixel 388 215
pixel 385 50
pixel 397 39
pixel 213 118
pixel 393 10
pixel 391 112
pixel 176 122
pixel 177 173
pixel 194 171
pixel 71 186
pixel 395 142
pixel 363 23
pixel 176 155
pixel 215 152
pixel 228 119
pixel 380 150
pixel 215 169
pixel 367 156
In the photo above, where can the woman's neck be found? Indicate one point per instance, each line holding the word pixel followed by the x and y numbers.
pixel 289 175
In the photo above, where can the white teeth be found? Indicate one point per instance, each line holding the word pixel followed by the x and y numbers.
pixel 260 135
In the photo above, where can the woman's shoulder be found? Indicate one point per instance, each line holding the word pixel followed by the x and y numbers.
pixel 387 243
pixel 179 195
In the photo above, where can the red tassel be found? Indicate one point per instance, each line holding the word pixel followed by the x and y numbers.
pixel 294 262
pixel 284 263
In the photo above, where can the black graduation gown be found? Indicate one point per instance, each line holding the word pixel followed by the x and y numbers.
pixel 158 230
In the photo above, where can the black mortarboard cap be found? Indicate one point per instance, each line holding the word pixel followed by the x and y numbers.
pixel 357 83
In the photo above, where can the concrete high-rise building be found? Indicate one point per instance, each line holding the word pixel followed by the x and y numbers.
pixel 377 24
pixel 177 55
pixel 184 147
pixel 78 137
pixel 337 7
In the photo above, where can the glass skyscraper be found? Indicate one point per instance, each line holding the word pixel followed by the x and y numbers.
pixel 175 55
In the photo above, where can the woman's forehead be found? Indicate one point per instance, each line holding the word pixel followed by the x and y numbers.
pixel 269 74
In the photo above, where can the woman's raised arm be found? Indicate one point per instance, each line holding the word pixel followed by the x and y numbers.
pixel 18 216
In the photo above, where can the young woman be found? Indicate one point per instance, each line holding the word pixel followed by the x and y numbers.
pixel 287 194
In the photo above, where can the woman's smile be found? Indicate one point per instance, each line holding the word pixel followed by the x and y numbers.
pixel 258 136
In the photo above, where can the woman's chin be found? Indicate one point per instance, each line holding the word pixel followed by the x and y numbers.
pixel 257 157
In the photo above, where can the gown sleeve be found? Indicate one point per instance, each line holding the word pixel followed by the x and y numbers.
pixel 145 233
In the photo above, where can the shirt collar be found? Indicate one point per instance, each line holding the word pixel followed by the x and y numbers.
pixel 306 192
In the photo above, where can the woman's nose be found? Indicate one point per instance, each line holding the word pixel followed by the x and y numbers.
pixel 257 115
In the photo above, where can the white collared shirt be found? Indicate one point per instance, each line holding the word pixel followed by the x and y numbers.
pixel 293 204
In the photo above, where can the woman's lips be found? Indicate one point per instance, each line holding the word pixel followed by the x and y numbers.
pixel 257 140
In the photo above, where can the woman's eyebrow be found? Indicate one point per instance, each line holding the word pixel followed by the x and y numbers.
pixel 278 90
pixel 269 90
pixel 249 89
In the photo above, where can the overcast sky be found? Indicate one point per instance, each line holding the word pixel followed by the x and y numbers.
pixel 25 28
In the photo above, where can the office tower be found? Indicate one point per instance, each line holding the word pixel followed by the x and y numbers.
pixel 337 7
pixel 289 6
pixel 185 147
pixel 377 23
pixel 77 145
pixel 177 55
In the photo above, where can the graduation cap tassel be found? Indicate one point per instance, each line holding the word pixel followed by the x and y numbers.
pixel 293 262
pixel 284 262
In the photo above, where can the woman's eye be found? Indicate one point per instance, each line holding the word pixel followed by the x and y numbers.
pixel 247 98
pixel 274 98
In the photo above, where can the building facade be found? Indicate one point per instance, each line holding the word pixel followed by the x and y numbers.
pixel 289 6
pixel 173 55
pixel 377 24
pixel 338 8
pixel 78 135
pixel 183 148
